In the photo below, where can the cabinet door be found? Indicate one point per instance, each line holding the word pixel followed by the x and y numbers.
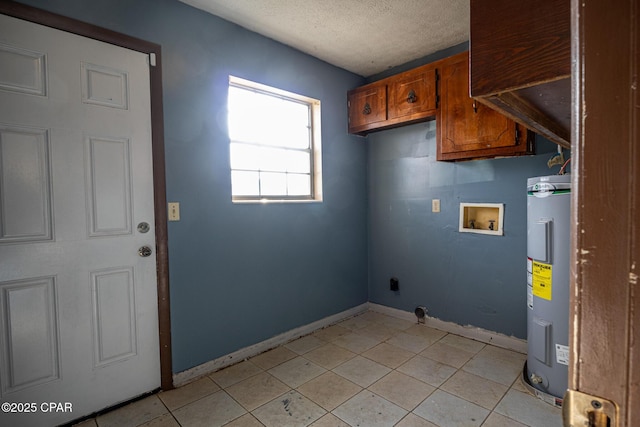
pixel 412 95
pixel 367 107
pixel 468 129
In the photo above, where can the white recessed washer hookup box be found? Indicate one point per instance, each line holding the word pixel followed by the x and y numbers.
pixel 482 218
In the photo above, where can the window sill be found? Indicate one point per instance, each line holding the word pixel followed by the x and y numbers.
pixel 274 201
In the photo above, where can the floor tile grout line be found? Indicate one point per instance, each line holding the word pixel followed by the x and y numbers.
pixel 439 387
pixel 168 411
pixel 196 400
pixel 358 329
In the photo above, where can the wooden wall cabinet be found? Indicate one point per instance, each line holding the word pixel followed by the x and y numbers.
pixel 405 98
pixel 367 107
pixel 467 129
pixel 521 62
pixel 413 95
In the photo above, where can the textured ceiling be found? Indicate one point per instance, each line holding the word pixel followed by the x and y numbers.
pixel 362 36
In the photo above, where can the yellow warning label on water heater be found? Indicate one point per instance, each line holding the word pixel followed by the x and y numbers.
pixel 541 280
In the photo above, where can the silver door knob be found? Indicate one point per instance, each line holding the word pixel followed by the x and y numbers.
pixel 144 251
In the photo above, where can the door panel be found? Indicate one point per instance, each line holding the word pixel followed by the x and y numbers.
pixel 25 182
pixel 605 325
pixel 78 318
pixel 108 186
pixel 104 86
pixel 23 70
pixel 114 333
pixel 29 334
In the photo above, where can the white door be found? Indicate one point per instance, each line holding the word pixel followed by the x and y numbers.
pixel 78 304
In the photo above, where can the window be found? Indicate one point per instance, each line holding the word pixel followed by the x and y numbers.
pixel 274 144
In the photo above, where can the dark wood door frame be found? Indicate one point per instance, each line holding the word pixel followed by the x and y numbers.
pixel 63 23
pixel 605 298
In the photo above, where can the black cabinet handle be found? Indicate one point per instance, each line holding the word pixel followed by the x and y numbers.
pixel 411 98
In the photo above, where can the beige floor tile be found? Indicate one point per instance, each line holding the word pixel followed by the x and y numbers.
pixel 497 420
pixel 518 384
pixel 506 353
pixel 165 420
pixel 414 343
pixel 329 356
pixel 496 364
pixel 355 342
pixel 211 411
pixel 331 333
pixel 395 323
pixel 329 420
pixel 362 371
pixel 432 335
pixel 257 390
pixel 401 389
pixel 355 359
pixel 444 409
pixel 412 420
pixel 305 344
pixel 235 373
pixel 388 355
pixel 173 399
pixel 377 331
pixel 374 316
pixel 448 355
pixel 289 410
pixel 529 410
pixel 133 414
pixel 355 323
pixel 329 390
pixel 462 343
pixel 427 370
pixel 247 420
pixel 475 389
pixel 296 372
pixel 369 409
pixel 274 357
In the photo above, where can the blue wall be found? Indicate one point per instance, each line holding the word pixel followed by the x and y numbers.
pixel 465 278
pixel 240 274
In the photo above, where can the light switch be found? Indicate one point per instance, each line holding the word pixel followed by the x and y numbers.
pixel 435 205
pixel 174 211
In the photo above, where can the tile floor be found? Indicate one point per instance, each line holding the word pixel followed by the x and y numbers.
pixel 370 371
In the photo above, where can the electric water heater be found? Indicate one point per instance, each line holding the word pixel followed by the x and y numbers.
pixel 548 205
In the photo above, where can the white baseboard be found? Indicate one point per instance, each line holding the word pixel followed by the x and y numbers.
pixel 475 333
pixel 184 377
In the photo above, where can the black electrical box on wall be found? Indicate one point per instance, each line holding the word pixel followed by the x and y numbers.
pixel 394 285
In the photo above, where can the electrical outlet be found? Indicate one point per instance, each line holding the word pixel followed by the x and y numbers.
pixel 435 205
pixel 174 211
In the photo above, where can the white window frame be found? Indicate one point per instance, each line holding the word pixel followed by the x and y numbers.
pixel 315 144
